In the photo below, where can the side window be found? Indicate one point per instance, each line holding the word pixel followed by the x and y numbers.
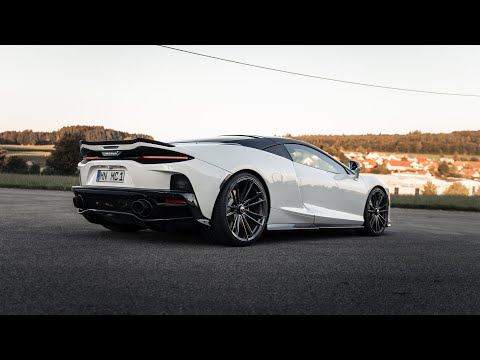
pixel 279 150
pixel 310 157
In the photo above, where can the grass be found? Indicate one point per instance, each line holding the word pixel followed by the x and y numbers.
pixel 439 202
pixel 45 182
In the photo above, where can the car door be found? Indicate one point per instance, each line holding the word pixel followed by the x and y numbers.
pixel 319 176
pixel 353 194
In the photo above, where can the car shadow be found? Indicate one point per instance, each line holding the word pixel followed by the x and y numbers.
pixel 179 237
pixel 194 237
pixel 308 235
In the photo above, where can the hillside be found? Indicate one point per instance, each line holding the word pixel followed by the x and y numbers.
pixel 460 142
pixel 91 133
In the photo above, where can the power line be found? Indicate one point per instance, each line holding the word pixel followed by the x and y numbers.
pixel 320 77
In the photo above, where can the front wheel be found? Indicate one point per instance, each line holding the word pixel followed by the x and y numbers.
pixel 241 211
pixel 376 212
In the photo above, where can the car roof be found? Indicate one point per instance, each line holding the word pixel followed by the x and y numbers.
pixel 255 141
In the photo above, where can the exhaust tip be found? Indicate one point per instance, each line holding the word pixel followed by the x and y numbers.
pixel 78 202
pixel 142 208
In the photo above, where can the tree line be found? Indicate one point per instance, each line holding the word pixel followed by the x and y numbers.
pixel 459 142
pixel 90 133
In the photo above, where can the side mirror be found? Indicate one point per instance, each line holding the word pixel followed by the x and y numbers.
pixel 356 167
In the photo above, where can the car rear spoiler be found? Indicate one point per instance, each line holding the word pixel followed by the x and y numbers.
pixel 124 142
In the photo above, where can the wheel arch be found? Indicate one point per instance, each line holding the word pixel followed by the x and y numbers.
pixel 258 176
pixel 381 187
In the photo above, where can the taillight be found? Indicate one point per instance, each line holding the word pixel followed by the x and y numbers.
pixel 165 157
pixel 88 158
pixel 141 154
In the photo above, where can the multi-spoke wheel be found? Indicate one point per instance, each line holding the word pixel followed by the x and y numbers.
pixel 241 212
pixel 376 212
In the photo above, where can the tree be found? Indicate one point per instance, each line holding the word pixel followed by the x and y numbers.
pixel 429 189
pixel 66 156
pixel 381 169
pixel 457 189
pixel 15 165
pixel 443 169
pixel 343 159
pixel 361 149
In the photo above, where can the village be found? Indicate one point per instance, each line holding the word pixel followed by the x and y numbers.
pixel 407 175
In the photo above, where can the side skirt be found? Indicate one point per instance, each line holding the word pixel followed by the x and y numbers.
pixel 274 227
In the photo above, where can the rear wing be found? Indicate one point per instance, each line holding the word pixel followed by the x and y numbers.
pixel 125 142
pixel 146 152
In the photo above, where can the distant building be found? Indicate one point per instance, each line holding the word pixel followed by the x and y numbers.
pixel 372 156
pixel 398 165
pixel 410 184
pixel 368 164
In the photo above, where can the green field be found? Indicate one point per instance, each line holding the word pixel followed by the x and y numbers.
pixel 441 202
pixel 46 182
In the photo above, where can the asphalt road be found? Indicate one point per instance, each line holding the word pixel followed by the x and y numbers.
pixel 52 261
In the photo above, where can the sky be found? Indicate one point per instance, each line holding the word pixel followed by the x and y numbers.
pixel 172 95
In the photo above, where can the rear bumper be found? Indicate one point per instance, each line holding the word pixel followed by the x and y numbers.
pixel 143 207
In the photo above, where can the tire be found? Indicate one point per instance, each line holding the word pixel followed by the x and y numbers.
pixel 376 212
pixel 241 212
pixel 122 228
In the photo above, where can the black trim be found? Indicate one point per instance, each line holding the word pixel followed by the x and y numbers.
pixel 124 142
pixel 279 150
pixel 111 204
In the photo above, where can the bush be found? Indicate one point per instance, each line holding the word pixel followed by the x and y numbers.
pixel 34 169
pixel 3 154
pixel 429 189
pixel 457 189
pixel 15 165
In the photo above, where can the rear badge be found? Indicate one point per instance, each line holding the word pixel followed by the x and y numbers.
pixel 111 153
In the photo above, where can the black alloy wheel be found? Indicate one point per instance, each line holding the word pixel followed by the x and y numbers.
pixel 376 212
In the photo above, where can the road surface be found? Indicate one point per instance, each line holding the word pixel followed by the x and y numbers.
pixel 52 261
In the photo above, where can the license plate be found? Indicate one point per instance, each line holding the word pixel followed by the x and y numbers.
pixel 116 176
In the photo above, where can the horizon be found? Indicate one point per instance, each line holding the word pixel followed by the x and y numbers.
pixel 280 135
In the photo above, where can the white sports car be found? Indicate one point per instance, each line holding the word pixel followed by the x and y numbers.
pixel 235 186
